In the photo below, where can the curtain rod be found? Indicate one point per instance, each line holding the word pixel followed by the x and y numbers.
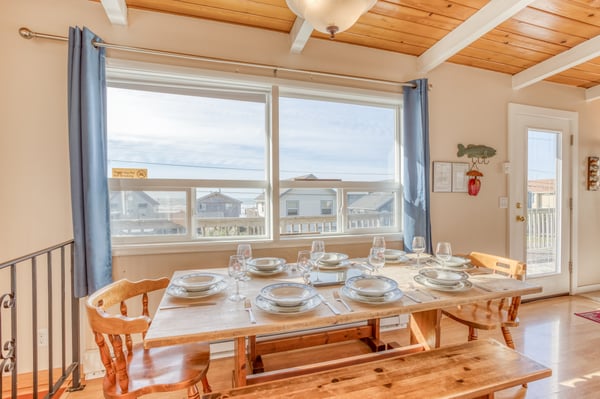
pixel 26 33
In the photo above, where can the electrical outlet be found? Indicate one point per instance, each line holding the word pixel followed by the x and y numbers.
pixel 43 337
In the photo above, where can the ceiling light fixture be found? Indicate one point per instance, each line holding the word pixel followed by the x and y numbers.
pixel 330 16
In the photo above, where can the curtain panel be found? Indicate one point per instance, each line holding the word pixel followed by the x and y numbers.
pixel 87 153
pixel 416 165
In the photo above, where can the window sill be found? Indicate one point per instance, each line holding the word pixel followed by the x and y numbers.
pixel 186 247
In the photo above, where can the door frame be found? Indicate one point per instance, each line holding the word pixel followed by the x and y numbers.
pixel 514 112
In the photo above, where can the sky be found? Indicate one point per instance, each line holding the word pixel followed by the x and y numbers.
pixel 184 136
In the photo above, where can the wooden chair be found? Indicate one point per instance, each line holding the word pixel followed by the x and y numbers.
pixel 491 314
pixel 131 370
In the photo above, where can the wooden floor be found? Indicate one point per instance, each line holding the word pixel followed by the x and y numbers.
pixel 549 333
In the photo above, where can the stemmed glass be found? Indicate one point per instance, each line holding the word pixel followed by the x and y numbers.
pixel 304 264
pixel 237 269
pixel 317 250
pixel 418 247
pixel 245 250
pixel 378 242
pixel 376 259
pixel 443 251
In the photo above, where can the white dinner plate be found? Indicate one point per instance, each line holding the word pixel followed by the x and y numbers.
pixel 271 307
pixel 461 286
pixel 443 276
pixel 373 286
pixel 180 292
pixel 270 272
pixel 338 265
pixel 401 259
pixel 265 264
pixel 456 261
pixel 332 258
pixel 197 281
pixel 393 254
pixel 288 294
pixel 389 296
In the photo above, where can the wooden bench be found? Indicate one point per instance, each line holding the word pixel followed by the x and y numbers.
pixel 474 369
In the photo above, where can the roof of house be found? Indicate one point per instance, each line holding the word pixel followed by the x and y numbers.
pixel 372 201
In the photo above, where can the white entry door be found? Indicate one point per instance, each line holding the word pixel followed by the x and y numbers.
pixel 540 193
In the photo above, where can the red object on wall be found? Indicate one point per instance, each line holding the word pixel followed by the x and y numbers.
pixel 474 182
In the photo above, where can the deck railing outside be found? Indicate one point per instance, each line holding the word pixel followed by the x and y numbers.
pixel 249 226
pixel 27 302
pixel 541 241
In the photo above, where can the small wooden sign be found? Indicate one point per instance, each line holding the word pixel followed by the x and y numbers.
pixel 130 173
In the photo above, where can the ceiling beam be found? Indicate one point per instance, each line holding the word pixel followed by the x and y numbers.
pixel 593 93
pixel 116 11
pixel 299 35
pixel 579 54
pixel 487 18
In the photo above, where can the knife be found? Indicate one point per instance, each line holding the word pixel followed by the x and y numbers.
pixel 334 310
pixel 412 298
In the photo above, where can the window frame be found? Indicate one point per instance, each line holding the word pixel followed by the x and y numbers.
pixel 136 74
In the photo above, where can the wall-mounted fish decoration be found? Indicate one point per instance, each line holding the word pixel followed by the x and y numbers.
pixel 476 151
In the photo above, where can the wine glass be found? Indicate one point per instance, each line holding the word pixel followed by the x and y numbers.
pixel 237 269
pixel 376 259
pixel 418 247
pixel 245 250
pixel 378 242
pixel 443 251
pixel 317 250
pixel 304 264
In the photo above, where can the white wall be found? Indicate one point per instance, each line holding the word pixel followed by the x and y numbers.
pixel 466 106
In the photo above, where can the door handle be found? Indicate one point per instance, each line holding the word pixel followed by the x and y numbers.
pixel 520 218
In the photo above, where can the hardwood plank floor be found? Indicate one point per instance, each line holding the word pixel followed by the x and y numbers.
pixel 549 333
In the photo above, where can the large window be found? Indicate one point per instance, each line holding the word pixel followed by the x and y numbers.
pixel 193 162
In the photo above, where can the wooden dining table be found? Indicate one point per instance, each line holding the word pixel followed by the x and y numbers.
pixel 215 318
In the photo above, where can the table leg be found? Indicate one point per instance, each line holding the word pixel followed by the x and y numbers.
pixel 240 362
pixel 425 328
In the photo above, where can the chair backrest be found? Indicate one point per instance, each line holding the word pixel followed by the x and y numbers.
pixel 113 326
pixel 507 267
pixel 498 264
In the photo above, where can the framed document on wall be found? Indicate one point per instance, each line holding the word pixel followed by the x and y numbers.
pixel 459 177
pixel 442 177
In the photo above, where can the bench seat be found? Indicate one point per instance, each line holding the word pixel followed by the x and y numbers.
pixel 474 369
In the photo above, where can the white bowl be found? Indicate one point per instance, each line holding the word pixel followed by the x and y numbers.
pixel 371 285
pixel 288 294
pixel 197 281
pixel 332 258
pixel 393 254
pixel 266 264
pixel 443 276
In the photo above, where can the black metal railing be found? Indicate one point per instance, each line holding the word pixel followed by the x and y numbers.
pixel 51 263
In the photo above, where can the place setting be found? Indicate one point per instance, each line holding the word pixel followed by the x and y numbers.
pixel 266 266
pixel 194 285
pixel 443 279
pixel 395 256
pixel 287 298
pixel 333 261
pixel 371 289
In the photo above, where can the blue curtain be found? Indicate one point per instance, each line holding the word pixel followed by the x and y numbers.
pixel 87 153
pixel 417 218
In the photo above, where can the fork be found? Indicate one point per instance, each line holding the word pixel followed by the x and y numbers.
pixel 411 285
pixel 248 307
pixel 336 296
pixel 330 306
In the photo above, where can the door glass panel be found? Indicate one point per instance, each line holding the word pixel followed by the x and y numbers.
pixel 543 203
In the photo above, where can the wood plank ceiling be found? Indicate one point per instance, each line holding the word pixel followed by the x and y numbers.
pixel 542 39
